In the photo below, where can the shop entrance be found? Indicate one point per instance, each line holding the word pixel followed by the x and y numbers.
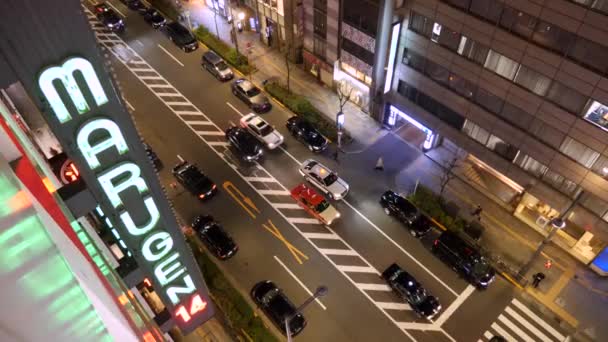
pixel 411 130
pixel 494 182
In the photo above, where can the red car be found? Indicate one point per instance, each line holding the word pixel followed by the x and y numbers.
pixel 314 204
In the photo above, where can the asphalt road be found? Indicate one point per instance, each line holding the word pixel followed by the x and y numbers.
pixel 180 109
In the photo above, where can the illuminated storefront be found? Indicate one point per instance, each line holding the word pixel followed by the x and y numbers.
pixel 410 129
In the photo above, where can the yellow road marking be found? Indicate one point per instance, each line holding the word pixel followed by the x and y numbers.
pixel 294 251
pixel 244 201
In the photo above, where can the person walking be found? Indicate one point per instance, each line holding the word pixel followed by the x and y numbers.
pixel 379 165
pixel 477 212
pixel 537 278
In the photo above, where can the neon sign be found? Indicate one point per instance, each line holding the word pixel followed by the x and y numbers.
pixel 69 172
pixel 99 137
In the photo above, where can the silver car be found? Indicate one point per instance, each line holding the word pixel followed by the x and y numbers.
pixel 262 130
pixel 324 179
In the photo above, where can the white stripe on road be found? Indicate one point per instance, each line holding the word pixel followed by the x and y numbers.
pixel 149 78
pixel 514 328
pixel 299 282
pixel 394 306
pixel 286 206
pixel 178 103
pixel 488 335
pixel 170 55
pixel 217 143
pixel 116 9
pixel 143 70
pixel 305 220
pixel 198 122
pixel 322 236
pixel 529 326
pixel 502 332
pixel 130 105
pixel 357 269
pixel 214 133
pixel 374 287
pixel 333 251
pixel 273 192
pixel 165 86
pixel 538 320
pixel 266 180
pixel 455 304
pixel 234 109
pixel 167 94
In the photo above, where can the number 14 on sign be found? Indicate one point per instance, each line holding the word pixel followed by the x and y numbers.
pixel 196 305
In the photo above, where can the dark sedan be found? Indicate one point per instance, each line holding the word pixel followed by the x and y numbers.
pixel 410 290
pixel 251 95
pixel 420 226
pixel 307 134
pixel 277 307
pixel 195 181
pixel 154 18
pixel 399 207
pixel 181 36
pixel 135 5
pixel 215 237
pixel 248 147
pixel 109 18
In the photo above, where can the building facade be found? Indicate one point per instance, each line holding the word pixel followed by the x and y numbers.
pixel 517 90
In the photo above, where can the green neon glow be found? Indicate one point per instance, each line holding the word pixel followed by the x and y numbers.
pixel 174 291
pixel 154 217
pixel 65 74
pixel 114 138
pixel 163 270
pixel 156 246
pixel 120 172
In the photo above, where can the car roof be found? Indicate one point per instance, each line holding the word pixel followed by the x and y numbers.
pixel 309 194
pixel 320 170
pixel 459 245
pixel 246 85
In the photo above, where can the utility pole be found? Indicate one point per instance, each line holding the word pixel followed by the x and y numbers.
pixel 342 99
pixel 233 32
pixel 319 292
pixel 215 8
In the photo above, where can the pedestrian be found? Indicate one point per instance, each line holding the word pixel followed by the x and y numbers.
pixel 379 165
pixel 336 154
pixel 537 278
pixel 477 212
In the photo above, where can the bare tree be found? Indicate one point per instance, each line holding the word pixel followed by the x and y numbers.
pixel 288 66
pixel 343 97
pixel 448 175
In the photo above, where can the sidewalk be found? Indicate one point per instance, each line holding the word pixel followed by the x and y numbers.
pixel 571 291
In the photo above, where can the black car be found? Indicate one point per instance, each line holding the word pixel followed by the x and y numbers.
pixel 214 237
pixel 153 157
pixel 411 291
pixel 246 144
pixel 277 306
pixel 135 5
pixel 464 259
pixel 154 18
pixel 399 207
pixel 181 36
pixel 109 18
pixel 191 178
pixel 306 133
pixel 251 95
pixel 420 226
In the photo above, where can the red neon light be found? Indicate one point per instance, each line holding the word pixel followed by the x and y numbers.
pixel 197 304
pixel 147 282
pixel 71 173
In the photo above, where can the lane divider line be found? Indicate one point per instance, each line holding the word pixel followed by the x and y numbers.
pixel 170 55
pixel 299 282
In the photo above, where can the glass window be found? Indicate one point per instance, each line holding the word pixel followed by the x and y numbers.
pixel 358 51
pixel 516 115
pixel 472 50
pixel 489 10
pixel 518 22
pixel 420 24
pixel 549 135
pixel 530 165
pixel 436 32
pixel 597 113
pixel 504 66
pixel 600 5
pixel 437 72
pixel 462 86
pixel 359 16
pixel 532 80
pixel 319 47
pixel 414 60
pixel 593 203
pixel 601 166
pixel 464 4
pixel 320 23
pixel 503 149
pixel 431 105
pixel 553 37
pixel 488 100
pixel 448 38
pixel 579 152
pixel 476 132
pixel 566 97
pixel 553 178
pixel 589 53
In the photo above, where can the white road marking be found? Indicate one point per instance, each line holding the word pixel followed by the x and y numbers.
pixel 538 320
pixel 150 77
pixel 447 313
pixel 488 335
pixel 142 70
pixel 421 326
pixel 234 108
pixel 289 155
pixel 138 42
pixel 130 105
pixel 286 206
pixel 178 103
pixel 528 326
pixel 198 122
pixel 394 306
pixel 181 160
pixel 374 287
pixel 262 179
pixel 333 251
pixel 299 282
pixel 514 328
pixel 164 86
pixel 214 133
pixel 166 94
pixel 306 220
pixel 170 55
pixel 322 236
pixel 502 332
pixel 274 192
pixel 217 143
pixel 357 269
pixel 116 9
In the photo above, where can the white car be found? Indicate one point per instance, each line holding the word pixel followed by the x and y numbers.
pixel 262 130
pixel 324 179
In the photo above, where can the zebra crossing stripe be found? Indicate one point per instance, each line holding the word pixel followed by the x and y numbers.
pixel 529 326
pixel 538 320
pixel 286 206
pixel 214 133
pixel 263 179
pixel 514 328
pixel 198 122
pixel 357 269
pixel 167 94
pixel 502 332
pixel 274 192
pixel 149 77
pixel 142 69
pixel 332 251
pixel 394 306
pixel 178 103
pixel 169 86
pixel 488 335
pixel 217 143
pixel 322 236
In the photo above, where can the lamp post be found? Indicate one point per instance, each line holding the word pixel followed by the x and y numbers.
pixel 339 126
pixel 233 32
pixel 556 224
pixel 319 292
pixel 215 9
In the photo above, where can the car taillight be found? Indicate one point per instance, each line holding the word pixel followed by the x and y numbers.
pixel 201 196
pixel 436 242
pixel 214 186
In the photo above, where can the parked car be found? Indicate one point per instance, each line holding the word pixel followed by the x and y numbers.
pixel 216 66
pixel 421 226
pixel 248 147
pixel 194 180
pixel 305 132
pixel 109 18
pixel 464 259
pixel 398 207
pixel 135 5
pixel 181 36
pixel 411 291
pixel 324 179
pixel 315 204
pixel 215 238
pixel 251 95
pixel 277 306
pixel 262 130
pixel 154 18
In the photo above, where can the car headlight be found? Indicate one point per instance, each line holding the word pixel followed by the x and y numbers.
pixel 272 145
pixel 110 25
pixel 338 215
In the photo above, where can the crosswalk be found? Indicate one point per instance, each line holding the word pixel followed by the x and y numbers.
pixel 518 323
pixel 355 268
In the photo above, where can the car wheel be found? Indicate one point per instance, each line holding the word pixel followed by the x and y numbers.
pixel 387 211
pixel 234 92
pixel 414 234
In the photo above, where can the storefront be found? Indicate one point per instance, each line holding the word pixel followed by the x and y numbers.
pixel 409 129
pixel 347 84
pixel 322 71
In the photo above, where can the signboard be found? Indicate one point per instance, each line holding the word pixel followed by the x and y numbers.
pixel 100 139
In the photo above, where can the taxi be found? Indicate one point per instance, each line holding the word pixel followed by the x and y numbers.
pixel 315 204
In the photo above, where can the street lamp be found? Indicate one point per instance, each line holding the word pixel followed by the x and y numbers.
pixel 557 223
pixel 339 126
pixel 319 292
pixel 233 32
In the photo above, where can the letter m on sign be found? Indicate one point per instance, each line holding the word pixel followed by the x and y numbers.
pixel 65 73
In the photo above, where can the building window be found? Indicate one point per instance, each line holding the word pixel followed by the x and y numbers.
pixel 601 166
pixel 516 116
pixel 566 97
pixel 597 113
pixel 593 203
pixel 464 4
pixel 530 165
pixel 503 149
pixel 356 73
pixel 579 152
pixel 437 72
pixel 319 47
pixel 518 22
pixel 421 24
pixel 532 80
pixel 414 60
pixel 320 5
pixel 591 54
pixel 462 86
pixel 446 37
pixel 358 51
pixel 489 10
pixel 473 50
pixel 320 23
pixel 504 66
pixel 362 15
pixel 476 132
pixel 553 37
pixel 431 105
pixel 546 133
pixel 488 100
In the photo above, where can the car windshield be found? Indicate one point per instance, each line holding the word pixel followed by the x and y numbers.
pixel 481 268
pixel 265 130
pixel 330 179
pixel 221 66
pixel 215 234
pixel 253 92
pixel 322 206
pixel 418 296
